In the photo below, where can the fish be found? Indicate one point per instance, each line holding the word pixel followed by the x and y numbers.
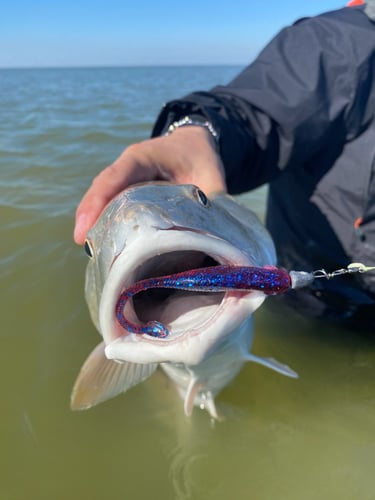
pixel 157 229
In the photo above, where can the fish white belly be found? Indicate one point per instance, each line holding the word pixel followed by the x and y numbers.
pixel 199 384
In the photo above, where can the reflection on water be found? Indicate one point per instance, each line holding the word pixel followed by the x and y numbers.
pixel 292 439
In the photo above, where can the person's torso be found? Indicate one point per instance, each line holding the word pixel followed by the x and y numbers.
pixel 322 215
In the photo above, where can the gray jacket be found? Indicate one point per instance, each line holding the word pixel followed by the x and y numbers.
pixel 301 117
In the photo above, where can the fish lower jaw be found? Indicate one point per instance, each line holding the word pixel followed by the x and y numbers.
pixel 191 346
pixel 192 314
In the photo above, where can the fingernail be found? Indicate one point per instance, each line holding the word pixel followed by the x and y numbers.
pixel 80 228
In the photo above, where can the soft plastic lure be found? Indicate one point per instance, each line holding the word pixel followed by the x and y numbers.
pixel 269 280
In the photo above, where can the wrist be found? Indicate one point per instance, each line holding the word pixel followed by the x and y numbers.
pixel 195 121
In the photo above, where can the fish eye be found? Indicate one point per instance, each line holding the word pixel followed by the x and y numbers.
pixel 202 198
pixel 88 248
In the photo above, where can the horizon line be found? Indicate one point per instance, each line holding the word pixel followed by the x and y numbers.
pixel 119 66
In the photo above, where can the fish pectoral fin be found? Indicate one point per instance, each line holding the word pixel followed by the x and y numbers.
pixel 271 363
pixel 101 378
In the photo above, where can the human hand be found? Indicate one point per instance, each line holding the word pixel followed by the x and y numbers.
pixel 187 156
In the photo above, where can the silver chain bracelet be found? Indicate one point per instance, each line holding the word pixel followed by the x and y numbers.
pixel 187 121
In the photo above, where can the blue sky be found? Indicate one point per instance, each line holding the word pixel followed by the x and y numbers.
pixel 43 33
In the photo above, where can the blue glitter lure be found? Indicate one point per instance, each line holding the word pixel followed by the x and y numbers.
pixel 269 280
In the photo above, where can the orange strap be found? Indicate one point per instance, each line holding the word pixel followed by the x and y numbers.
pixel 353 3
pixel 358 222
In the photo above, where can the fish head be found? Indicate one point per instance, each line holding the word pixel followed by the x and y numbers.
pixel 156 229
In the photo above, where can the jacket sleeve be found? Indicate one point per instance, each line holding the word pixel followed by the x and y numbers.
pixel 301 93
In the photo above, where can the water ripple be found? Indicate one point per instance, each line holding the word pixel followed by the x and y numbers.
pixel 180 471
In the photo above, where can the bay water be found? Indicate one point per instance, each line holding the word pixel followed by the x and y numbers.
pixel 288 439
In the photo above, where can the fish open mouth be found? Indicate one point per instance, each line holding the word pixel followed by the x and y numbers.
pixel 188 316
pixel 177 309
